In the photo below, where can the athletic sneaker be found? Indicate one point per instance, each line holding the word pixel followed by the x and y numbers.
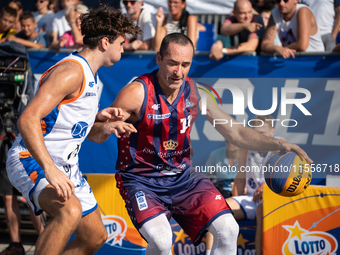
pixel 12 250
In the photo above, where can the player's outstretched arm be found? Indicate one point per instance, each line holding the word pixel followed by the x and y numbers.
pixel 129 102
pixel 110 113
pixel 61 83
pixel 245 137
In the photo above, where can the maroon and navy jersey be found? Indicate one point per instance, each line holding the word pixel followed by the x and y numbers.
pixel 162 143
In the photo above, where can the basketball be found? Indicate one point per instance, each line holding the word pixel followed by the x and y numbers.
pixel 287 174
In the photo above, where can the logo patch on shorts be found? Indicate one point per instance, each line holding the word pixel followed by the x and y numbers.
pixel 141 201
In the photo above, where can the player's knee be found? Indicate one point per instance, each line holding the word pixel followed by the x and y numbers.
pixel 71 213
pixel 232 228
pixel 100 237
pixel 224 229
pixel 160 239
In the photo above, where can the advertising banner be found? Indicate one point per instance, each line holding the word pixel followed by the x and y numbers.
pixel 304 224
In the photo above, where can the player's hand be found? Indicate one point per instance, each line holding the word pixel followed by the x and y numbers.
pixel 160 15
pixel 286 52
pixel 257 196
pixel 110 113
pixel 253 27
pixel 285 146
pixel 118 128
pixel 62 184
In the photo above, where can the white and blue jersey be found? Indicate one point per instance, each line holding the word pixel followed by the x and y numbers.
pixel 64 129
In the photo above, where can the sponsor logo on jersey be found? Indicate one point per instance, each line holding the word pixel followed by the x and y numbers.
pixel 302 241
pixel 91 84
pixel 218 197
pixel 82 182
pixel 70 154
pixel 188 104
pixel 141 200
pixel 159 116
pixel 116 228
pixel 156 106
pixel 79 129
pixel 170 144
pixel 90 94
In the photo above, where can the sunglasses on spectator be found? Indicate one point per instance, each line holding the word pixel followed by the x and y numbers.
pixel 131 2
pixel 279 1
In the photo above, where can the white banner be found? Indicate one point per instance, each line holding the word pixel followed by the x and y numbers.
pixel 199 6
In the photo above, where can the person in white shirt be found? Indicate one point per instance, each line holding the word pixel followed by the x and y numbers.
pixel 59 23
pixel 43 16
pixel 297 29
pixel 327 15
pixel 145 20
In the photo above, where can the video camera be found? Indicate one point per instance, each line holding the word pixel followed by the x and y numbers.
pixel 12 80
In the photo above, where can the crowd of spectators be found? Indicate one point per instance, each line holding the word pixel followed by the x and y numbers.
pixel 281 27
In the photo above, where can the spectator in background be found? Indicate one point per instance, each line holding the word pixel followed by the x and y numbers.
pixel 224 160
pixel 145 20
pixel 7 20
pixel 43 16
pixel 296 27
pixel 17 5
pixel 28 36
pixel 262 5
pixel 265 14
pixel 248 206
pixel 245 30
pixel 54 5
pixel 59 23
pixel 177 21
pixel 327 15
pixel 72 39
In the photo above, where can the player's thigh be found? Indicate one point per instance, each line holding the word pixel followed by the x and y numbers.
pixel 91 227
pixel 236 208
pixel 55 205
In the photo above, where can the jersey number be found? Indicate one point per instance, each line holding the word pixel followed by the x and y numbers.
pixel 185 124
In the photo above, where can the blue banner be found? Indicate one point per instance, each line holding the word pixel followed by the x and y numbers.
pixel 302 94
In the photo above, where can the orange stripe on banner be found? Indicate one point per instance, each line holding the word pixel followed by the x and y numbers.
pixel 132 235
pixel 34 176
pixel 24 154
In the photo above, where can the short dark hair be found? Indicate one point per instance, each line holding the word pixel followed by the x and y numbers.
pixel 27 15
pixel 179 38
pixel 105 22
pixel 9 10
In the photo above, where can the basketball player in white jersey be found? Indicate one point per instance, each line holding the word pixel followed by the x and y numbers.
pixel 43 162
pixel 247 204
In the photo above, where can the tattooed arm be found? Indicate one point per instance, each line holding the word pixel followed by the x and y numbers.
pixel 267 44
